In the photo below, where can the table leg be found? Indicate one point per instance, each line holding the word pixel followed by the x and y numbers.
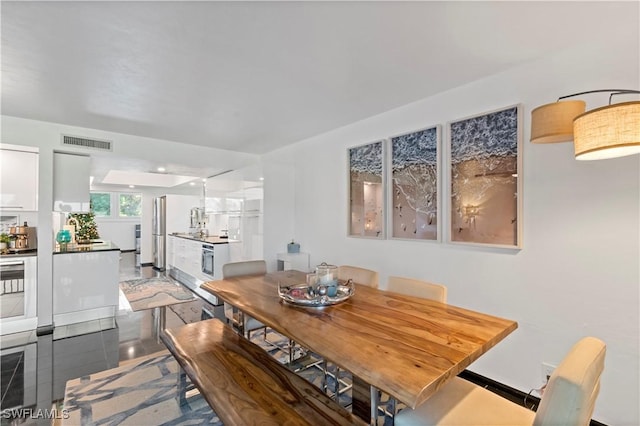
pixel 361 399
pixel 159 321
pixel 182 387
pixel 374 402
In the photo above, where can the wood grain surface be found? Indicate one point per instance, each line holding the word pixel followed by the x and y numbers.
pixel 246 386
pixel 405 346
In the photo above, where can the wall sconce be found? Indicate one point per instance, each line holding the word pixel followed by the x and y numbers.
pixel 606 132
pixel 470 212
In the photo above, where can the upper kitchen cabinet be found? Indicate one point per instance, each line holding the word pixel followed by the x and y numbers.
pixel 218 205
pixel 19 178
pixel 71 183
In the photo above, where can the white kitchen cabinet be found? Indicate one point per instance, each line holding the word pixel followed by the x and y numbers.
pixel 193 254
pixel 71 174
pixel 170 251
pixel 85 286
pixel 19 180
pixel 186 255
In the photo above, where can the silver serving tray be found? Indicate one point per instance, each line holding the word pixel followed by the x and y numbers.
pixel 304 295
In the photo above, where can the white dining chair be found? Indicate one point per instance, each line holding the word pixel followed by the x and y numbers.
pixel 569 397
pixel 417 288
pixel 244 323
pixel 362 276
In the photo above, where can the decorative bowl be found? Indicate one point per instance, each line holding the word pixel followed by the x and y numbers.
pixel 315 296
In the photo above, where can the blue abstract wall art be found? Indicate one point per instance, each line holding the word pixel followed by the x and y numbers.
pixel 485 178
pixel 414 192
pixel 366 191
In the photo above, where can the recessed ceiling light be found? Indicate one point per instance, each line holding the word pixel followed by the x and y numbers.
pixel 261 178
pixel 204 180
pixel 132 186
pixel 192 183
pixel 161 169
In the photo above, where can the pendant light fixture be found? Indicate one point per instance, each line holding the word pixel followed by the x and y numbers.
pixel 607 132
pixel 553 123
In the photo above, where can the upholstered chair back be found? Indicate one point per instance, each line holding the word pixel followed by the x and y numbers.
pixel 417 288
pixel 234 269
pixel 358 275
pixel 249 267
pixel 571 393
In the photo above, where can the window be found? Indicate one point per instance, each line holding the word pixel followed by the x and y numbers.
pixel 101 203
pixel 113 205
pixel 130 205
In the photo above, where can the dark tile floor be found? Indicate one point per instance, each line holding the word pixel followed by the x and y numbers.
pixel 35 369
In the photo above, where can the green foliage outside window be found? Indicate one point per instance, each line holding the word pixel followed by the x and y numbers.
pixel 130 205
pixel 101 203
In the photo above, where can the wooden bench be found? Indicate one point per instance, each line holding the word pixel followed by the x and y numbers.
pixel 243 384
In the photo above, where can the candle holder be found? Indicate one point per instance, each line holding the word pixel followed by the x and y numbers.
pixel 63 238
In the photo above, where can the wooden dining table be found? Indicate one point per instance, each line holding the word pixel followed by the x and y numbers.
pixel 405 346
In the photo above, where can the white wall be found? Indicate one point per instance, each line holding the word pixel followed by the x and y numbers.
pixel 121 233
pixel 578 271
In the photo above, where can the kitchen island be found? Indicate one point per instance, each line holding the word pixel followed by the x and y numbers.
pixel 193 260
pixel 203 239
pixel 94 246
pixel 200 257
pixel 85 282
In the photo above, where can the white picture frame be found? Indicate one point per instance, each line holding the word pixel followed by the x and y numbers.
pixel 484 179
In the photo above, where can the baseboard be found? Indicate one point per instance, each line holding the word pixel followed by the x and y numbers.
pixel 512 394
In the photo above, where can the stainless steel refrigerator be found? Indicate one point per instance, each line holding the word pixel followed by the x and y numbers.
pixel 159 232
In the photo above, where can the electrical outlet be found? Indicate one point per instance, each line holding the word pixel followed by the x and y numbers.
pixel 547 370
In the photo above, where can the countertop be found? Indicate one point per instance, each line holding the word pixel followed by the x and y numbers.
pixel 211 239
pixel 97 245
pixel 19 254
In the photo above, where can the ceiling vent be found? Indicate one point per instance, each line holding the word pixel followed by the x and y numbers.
pixel 97 144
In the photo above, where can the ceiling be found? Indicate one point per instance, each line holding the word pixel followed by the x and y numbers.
pixel 255 76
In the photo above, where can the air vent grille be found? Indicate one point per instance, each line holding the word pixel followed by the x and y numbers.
pixel 87 143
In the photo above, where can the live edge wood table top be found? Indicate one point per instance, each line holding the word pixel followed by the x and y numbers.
pixel 405 346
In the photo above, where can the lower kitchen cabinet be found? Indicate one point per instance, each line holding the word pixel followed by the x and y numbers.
pixel 85 286
pixel 185 254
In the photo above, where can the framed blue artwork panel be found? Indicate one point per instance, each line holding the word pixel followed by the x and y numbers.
pixel 366 191
pixel 415 197
pixel 485 171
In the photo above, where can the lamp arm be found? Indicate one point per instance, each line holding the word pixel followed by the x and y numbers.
pixel 615 92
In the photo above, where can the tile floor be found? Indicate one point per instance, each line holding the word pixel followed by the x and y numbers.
pixel 34 369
